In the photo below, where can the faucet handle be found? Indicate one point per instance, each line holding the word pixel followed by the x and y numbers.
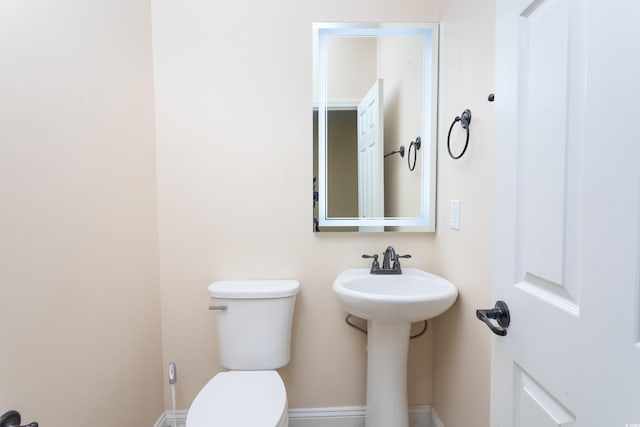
pixel 375 265
pixel 396 261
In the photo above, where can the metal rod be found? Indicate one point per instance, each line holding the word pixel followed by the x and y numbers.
pixel 401 151
pixel 361 329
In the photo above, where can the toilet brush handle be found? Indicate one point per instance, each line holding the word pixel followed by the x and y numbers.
pixel 173 376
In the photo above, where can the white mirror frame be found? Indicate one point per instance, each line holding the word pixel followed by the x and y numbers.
pixel 430 31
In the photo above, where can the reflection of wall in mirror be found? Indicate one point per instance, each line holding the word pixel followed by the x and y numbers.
pixel 351 68
pixel 401 64
pixel 353 64
pixel 342 155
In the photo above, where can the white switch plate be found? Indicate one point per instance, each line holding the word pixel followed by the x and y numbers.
pixel 455 215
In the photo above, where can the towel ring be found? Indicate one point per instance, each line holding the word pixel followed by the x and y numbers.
pixel 415 145
pixel 465 120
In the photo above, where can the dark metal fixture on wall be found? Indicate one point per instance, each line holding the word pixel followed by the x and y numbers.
pixel 13 419
pixel 465 121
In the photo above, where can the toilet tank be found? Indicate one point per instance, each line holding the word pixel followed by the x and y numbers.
pixel 254 331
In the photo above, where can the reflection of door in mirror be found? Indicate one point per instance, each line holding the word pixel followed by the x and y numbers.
pixel 370 155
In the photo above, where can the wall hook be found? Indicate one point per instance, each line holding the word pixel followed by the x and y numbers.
pixel 401 151
pixel 465 121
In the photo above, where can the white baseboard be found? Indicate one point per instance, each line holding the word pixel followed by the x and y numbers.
pixel 350 416
pixel 345 416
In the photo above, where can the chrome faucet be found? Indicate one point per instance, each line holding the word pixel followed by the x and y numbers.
pixel 388 256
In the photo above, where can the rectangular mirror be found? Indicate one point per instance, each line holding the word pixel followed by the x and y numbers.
pixel 374 126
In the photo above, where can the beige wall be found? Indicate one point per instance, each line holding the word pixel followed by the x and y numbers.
pixel 234 155
pixel 234 139
pixel 236 205
pixel 79 324
pixel 462 343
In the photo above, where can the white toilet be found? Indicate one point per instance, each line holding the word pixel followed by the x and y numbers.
pixel 254 320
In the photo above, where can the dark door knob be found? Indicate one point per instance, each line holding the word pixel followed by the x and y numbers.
pixel 500 313
pixel 12 419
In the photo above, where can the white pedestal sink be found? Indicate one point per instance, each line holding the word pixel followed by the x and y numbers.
pixel 390 303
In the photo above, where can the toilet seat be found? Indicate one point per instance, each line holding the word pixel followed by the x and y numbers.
pixel 240 398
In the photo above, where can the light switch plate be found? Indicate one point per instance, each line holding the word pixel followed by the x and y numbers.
pixel 455 215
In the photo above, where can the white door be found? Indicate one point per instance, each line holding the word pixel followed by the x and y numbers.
pixel 371 155
pixel 567 213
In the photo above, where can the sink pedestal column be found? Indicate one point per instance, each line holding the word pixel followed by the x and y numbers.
pixel 387 348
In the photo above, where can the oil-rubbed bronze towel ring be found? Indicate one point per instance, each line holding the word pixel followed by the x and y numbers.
pixel 415 145
pixel 465 120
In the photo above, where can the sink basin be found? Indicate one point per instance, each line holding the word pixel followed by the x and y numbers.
pixel 390 303
pixel 411 296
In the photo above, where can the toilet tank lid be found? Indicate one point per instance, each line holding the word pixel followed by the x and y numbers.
pixel 253 289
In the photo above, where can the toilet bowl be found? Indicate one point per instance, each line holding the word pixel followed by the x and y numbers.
pixel 241 398
pixel 254 319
